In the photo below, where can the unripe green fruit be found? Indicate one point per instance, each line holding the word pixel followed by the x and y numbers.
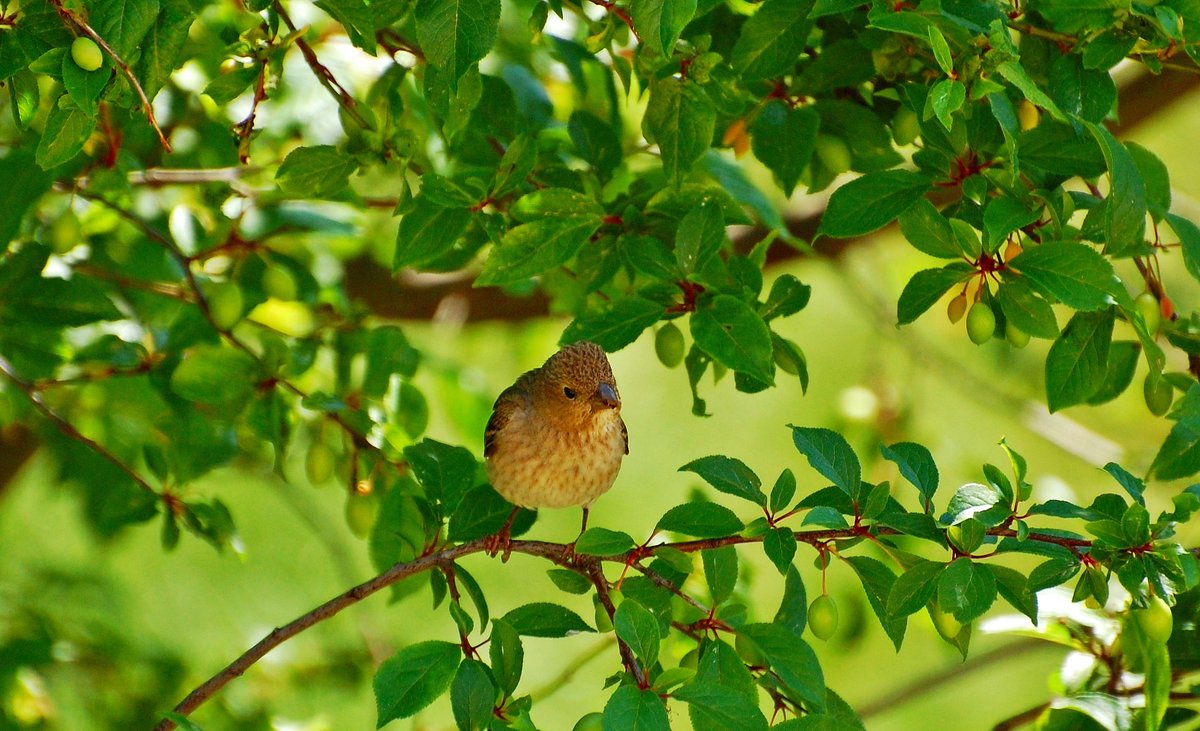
pixel 1155 620
pixel 603 621
pixel 956 308
pixel 749 652
pixel 591 722
pixel 361 510
pixel 1158 395
pixel 905 126
pixel 225 305
pixel 86 54
pixel 1151 310
pixel 1018 337
pixel 318 463
pixel 668 344
pixel 279 283
pixel 823 617
pixel 64 232
pixel 833 153
pixel 981 323
pixel 945 624
pixel 1028 115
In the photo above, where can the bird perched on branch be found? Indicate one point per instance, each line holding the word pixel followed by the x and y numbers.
pixel 556 437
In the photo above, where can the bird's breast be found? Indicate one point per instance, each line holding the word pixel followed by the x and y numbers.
pixel 537 466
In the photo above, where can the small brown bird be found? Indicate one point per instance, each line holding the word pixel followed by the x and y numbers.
pixel 556 437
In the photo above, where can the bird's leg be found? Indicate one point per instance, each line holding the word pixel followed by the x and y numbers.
pixel 568 553
pixel 501 538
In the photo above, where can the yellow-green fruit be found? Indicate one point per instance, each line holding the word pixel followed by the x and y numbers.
pixel 603 621
pixel 591 722
pixel 65 232
pixel 1151 310
pixel 905 126
pixel 1018 337
pixel 981 323
pixel 1158 395
pixel 361 510
pixel 1155 620
pixel 1027 115
pixel 668 344
pixel 86 54
pixel 279 283
pixel 956 308
pixel 823 617
pixel 833 153
pixel 945 624
pixel 225 305
pixel 749 652
pixel 318 463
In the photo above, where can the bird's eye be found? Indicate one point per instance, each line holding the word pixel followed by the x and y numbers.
pixel 568 392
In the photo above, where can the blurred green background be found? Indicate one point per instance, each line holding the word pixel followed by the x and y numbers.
pixel 128 629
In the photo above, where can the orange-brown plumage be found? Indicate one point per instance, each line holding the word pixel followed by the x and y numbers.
pixel 556 437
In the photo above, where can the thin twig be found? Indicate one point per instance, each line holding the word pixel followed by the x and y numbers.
pixel 137 87
pixel 68 429
pixel 323 74
pixel 595 572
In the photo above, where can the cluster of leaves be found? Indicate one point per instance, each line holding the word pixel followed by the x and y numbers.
pixel 157 334
pixel 735 656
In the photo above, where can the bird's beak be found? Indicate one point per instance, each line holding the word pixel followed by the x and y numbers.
pixel 608 396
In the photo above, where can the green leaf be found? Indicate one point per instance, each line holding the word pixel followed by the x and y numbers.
pixel 877 581
pixel 1013 587
pixel 543 619
pixel 639 629
pixel 720 571
pixel 413 678
pixel 388 353
pixel 1026 309
pixel 1016 73
pixel 356 18
pixel 315 172
pixel 537 247
pixel 603 542
pixel 927 287
pixel 916 464
pixel 21 184
pixel 661 21
pixel 1187 231
pixel 729 475
pixel 613 325
pixel 945 98
pixel 972 500
pixel 700 520
pixel 1125 212
pixel 596 142
pixel 428 231
pixel 213 374
pixel 791 658
pixel 472 696
pixel 966 589
pixel 480 512
pixel 772 39
pixel 67 128
pixel 123 23
pixel 783 138
pixel 1179 456
pixel 1003 216
pixel 1078 360
pixel 780 546
pixel 732 333
pixel 680 118
pixel 929 231
pixel 1071 273
pixel 229 86
pixel 631 709
pixel 162 48
pixel 914 588
pixel 788 296
pixel 941 50
pixel 85 87
pixel 455 34
pixel 783 491
pixel 569 581
pixel 446 472
pixel 699 237
pixel 871 202
pixel 713 708
pixel 830 454
pixel 399 532
pixel 1122 362
pixel 507 655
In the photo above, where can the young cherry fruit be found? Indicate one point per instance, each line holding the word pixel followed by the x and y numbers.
pixel 981 323
pixel 86 54
pixel 1158 395
pixel 1148 305
pixel 1155 620
pixel 823 617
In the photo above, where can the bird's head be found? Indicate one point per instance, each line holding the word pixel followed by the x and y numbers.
pixel 576 385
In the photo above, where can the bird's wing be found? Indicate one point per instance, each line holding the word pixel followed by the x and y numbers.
pixel 625 436
pixel 510 399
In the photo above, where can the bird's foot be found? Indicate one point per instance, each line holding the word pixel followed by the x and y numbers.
pixel 501 539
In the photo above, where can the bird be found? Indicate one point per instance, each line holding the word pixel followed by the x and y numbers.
pixel 556 438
